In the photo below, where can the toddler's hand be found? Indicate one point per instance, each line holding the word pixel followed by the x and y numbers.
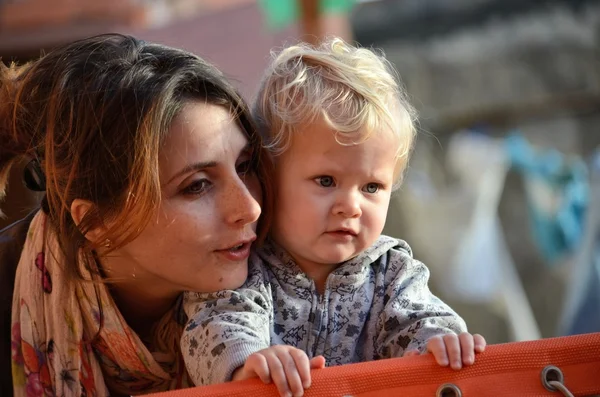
pixel 286 366
pixel 456 350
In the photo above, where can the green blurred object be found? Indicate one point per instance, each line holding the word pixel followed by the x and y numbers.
pixel 281 13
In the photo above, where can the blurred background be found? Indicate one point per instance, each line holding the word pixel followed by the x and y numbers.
pixel 501 196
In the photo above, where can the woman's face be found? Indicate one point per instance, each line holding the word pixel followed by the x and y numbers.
pixel 200 238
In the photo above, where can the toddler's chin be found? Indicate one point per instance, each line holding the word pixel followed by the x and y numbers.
pixel 336 258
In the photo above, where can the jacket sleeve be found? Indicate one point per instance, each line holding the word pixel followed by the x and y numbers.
pixel 411 314
pixel 225 328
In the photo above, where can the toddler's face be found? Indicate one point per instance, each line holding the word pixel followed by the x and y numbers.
pixel 332 199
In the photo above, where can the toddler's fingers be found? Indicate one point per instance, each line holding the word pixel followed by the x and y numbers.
pixel 302 367
pixel 479 342
pixel 453 350
pixel 256 365
pixel 467 348
pixel 292 375
pixel 437 347
pixel 409 353
pixel 317 362
pixel 278 375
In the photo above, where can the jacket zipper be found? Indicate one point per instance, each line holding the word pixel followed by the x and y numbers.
pixel 318 320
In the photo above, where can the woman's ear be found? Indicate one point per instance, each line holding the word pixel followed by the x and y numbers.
pixel 79 208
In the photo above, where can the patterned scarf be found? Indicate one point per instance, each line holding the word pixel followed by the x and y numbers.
pixel 58 345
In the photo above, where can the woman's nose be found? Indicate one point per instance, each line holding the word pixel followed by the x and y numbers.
pixel 243 205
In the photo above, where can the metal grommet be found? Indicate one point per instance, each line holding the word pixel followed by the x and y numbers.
pixel 448 390
pixel 551 374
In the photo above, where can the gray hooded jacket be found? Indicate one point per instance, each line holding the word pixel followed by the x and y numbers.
pixel 377 305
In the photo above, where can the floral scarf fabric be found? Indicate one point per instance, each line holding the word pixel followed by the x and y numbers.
pixel 59 347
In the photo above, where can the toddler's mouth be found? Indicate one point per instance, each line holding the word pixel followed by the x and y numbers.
pixel 343 232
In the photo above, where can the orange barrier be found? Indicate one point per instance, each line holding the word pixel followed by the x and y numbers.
pixel 511 369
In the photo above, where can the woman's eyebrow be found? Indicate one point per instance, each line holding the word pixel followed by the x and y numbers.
pixel 199 166
pixel 202 165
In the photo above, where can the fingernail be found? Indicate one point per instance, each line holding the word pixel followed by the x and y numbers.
pixel 306 385
pixel 456 365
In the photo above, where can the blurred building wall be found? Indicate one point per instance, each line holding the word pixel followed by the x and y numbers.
pixel 230 33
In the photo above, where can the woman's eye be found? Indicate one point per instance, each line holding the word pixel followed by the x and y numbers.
pixel 197 187
pixel 325 181
pixel 244 167
pixel 372 187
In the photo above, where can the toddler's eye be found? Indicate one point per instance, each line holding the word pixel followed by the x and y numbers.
pixel 372 187
pixel 325 181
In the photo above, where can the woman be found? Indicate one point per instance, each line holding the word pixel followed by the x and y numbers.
pixel 154 179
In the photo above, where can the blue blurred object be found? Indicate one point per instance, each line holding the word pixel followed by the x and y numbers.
pixel 557 190
pixel 582 309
